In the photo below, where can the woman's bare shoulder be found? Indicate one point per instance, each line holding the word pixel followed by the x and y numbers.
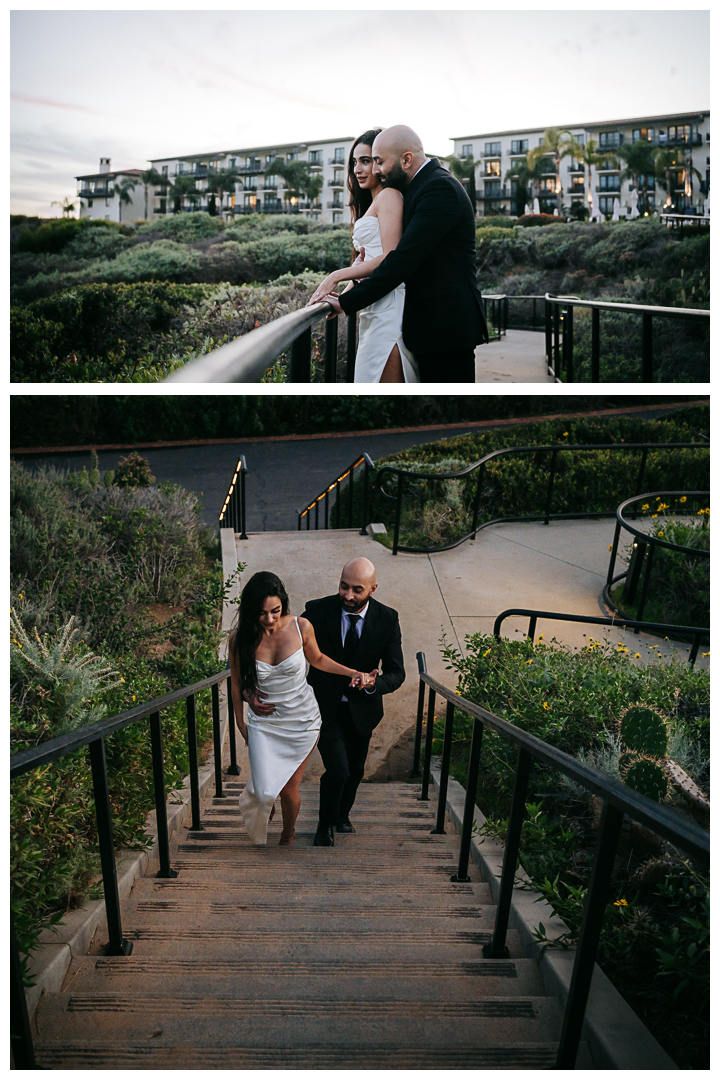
pixel 389 197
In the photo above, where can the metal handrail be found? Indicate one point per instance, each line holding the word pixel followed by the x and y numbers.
pixel 335 485
pixel 645 543
pixel 234 505
pixel 618 800
pixel 554 450
pixel 93 736
pixel 559 310
pixel 697 633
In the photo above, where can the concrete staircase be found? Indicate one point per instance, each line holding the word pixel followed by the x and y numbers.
pixel 361 956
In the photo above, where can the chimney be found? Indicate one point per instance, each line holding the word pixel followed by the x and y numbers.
pixel 104 164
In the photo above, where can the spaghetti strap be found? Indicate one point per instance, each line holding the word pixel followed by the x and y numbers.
pixel 297 627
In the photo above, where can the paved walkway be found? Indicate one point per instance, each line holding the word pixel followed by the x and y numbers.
pixel 518 358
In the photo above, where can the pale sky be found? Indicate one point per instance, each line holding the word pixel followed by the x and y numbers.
pixel 135 85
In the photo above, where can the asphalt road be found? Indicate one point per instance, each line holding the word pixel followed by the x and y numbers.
pixel 282 477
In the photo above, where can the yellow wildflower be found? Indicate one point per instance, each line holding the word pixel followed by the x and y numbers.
pixel 683 498
pixel 133 697
pixel 528 661
pixel 486 652
pixel 545 705
pixel 620 903
pixel 706 654
pixel 637 655
pixel 645 506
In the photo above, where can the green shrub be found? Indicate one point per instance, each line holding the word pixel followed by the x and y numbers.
pixel 56 234
pixel 184 228
pixel 133 471
pixel 532 220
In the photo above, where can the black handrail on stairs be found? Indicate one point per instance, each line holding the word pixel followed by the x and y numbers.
pixel 618 800
pixel 94 737
pixel 233 511
pixel 349 475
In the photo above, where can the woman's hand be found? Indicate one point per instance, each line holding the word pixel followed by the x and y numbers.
pixel 361 680
pixel 242 727
pixel 324 289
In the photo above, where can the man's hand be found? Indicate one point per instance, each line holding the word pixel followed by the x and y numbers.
pixel 370 679
pixel 254 699
pixel 334 303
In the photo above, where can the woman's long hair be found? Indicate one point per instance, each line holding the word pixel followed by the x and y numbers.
pixel 360 200
pixel 249 632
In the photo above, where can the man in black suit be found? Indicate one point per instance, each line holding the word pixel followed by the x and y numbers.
pixel 444 315
pixel 351 627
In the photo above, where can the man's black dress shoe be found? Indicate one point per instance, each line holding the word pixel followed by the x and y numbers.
pixel 324 836
pixel 344 825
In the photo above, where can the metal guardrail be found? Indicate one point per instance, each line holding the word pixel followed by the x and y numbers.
pixel 405 476
pixel 618 801
pixel 696 633
pixel 94 737
pixel 324 497
pixel 645 545
pixel 232 514
pixel 559 337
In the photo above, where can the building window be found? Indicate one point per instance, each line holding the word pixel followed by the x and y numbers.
pixel 492 189
pixel 292 155
pixel 466 150
pixel 548 184
pixel 492 149
pixel 163 206
pixel 270 182
pixel 648 182
pixel 337 216
pixel 610 140
pixel 315 157
pixel 644 135
pixel 680 133
pixel 609 183
pixel 339 158
pixel 607 204
pixel 164 170
pixel 609 165
pixel 90 202
pixel 492 168
pixel 578 183
pixel 519 146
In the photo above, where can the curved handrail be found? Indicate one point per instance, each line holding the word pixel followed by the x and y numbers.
pixel 647 309
pixel 705 552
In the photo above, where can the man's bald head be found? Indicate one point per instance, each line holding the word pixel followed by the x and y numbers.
pixel 357 584
pixel 397 155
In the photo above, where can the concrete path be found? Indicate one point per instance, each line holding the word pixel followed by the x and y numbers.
pixel 518 358
pixel 559 567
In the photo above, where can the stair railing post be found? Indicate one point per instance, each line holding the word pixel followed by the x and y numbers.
pixel 478 497
pixel 233 768
pixel 551 482
pixel 645 585
pixel 217 746
pixel 117 945
pixel 398 511
pixel 445 767
pixel 548 335
pixel 331 339
pixel 595 346
pixel 613 554
pixel 158 765
pixel 300 352
pixel 428 745
pixel 21 1043
pixel 350 496
pixel 647 347
pixel 469 809
pixel 351 346
pixel 497 949
pixel 366 494
pixel 568 343
pixel 243 470
pixel 415 771
pixel 196 825
pixel 641 473
pixel 597 898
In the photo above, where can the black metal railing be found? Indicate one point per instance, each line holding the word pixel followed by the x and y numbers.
pixel 247 358
pixel 406 476
pixel 559 343
pixel 644 547
pixel 94 737
pixel 696 634
pixel 324 499
pixel 496 307
pixel 232 514
pixel 618 801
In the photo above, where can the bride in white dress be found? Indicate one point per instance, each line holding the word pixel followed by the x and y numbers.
pixel 268 652
pixel 377 227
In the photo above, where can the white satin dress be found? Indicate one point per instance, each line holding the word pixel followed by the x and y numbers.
pixel 379 324
pixel 278 744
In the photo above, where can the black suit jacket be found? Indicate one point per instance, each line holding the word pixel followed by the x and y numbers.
pixel 380 646
pixel 444 308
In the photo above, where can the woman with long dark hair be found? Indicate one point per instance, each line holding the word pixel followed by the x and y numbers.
pixel 268 650
pixel 376 213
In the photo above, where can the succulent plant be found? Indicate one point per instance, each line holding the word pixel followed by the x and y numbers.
pixel 647 777
pixel 645 731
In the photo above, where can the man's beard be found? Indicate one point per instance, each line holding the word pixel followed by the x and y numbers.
pixel 354 605
pixel 397 177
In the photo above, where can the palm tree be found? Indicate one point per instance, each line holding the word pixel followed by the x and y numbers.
pixel 183 188
pixel 122 189
pixel 151 178
pixel 526 178
pixel 464 170
pixel 640 163
pixel 66 206
pixel 222 181
pixel 298 177
pixel 590 155
pixel 555 145
pixel 666 160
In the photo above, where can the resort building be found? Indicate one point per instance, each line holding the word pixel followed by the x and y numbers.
pixel 112 195
pixel 680 182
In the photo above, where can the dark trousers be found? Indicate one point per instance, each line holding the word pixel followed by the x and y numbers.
pixel 447 367
pixel 344 758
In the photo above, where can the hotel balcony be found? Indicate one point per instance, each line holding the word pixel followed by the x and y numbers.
pixel 335 206
pixel 94 193
pixel 337 160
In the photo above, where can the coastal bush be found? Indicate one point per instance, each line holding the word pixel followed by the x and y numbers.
pixel 183 228
pixel 54 235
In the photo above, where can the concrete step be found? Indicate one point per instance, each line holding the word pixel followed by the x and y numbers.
pixel 423 891
pixel 369 979
pixel 144 1055
pixel 200 1020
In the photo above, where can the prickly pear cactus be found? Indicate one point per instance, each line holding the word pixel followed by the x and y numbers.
pixel 647 777
pixel 644 731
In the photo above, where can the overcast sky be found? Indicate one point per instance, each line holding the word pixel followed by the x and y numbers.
pixel 134 85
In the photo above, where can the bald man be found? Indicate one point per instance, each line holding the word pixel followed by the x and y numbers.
pixel 444 316
pixel 351 626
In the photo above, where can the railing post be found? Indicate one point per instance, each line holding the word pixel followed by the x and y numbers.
pixel 647 347
pixel 158 764
pixel 548 334
pixel 317 514
pixel 613 555
pixel 556 338
pixel 300 352
pixel 217 746
pixel 398 511
pixel 478 496
pixel 337 504
pixel 21 1044
pixel 469 809
pixel 327 509
pixel 366 497
pixel 193 762
pixel 117 945
pixel 551 482
pixel 233 768
pixel 243 470
pixel 351 346
pixel 641 473
pixel 428 745
pixel 445 767
pixel 331 339
pixel 497 948
pixel 350 495
pixel 595 346
pixel 415 771
pixel 597 897
pixel 646 582
pixel 532 627
pixel 568 344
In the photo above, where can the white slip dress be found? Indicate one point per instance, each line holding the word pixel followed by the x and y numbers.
pixel 278 744
pixel 379 324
